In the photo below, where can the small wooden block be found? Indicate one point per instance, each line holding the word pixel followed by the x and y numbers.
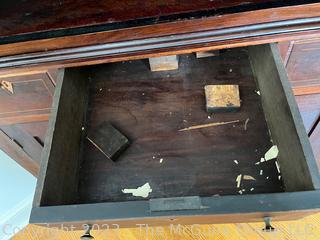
pixel 207 54
pixel 109 140
pixel 164 63
pixel 222 98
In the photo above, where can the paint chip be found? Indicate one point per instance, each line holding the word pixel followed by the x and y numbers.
pixel 209 117
pixel 258 92
pixel 279 177
pixel 278 167
pixel 267 177
pixel 161 160
pixel 246 124
pixel 238 180
pixel 142 191
pixel 261 172
pixel 248 177
pixel 272 153
pixel 100 89
pixel 257 163
pixel 251 189
pixel 236 162
pixel 262 159
pixel 240 192
pixel 82 128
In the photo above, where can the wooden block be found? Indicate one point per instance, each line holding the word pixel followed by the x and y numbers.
pixel 222 98
pixel 164 63
pixel 207 54
pixel 109 140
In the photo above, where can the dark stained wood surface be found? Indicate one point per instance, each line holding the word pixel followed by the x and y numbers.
pixel 150 108
pixel 30 101
pixel 284 120
pixel 241 29
pixel 302 59
pixel 21 17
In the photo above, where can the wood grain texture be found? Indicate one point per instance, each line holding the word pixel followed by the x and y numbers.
pixel 60 161
pixel 31 99
pixel 15 151
pixel 301 60
pixel 150 108
pixel 39 15
pixel 284 120
pixel 242 29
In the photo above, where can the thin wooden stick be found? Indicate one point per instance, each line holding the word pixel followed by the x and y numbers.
pixel 208 125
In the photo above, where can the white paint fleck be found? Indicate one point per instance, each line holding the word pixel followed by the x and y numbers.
pixel 279 177
pixel 236 162
pixel 243 190
pixel 248 177
pixel 238 180
pixel 230 70
pixel 153 157
pixel 251 189
pixel 209 117
pixel 143 94
pixel 258 92
pixel 257 163
pixel 161 160
pixel 278 167
pixel 261 172
pixel 240 192
pixel 82 128
pixel 272 153
pixel 100 89
pixel 262 159
pixel 142 191
pixel 267 177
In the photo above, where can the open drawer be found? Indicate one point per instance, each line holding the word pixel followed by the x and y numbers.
pixel 192 173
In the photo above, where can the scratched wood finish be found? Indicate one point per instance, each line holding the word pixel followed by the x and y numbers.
pixel 150 108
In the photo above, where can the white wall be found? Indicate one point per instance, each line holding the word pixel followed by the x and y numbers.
pixel 17 190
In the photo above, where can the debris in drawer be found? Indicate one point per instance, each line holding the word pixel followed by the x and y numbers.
pixel 142 191
pixel 238 180
pixel 272 153
pixel 248 177
pixel 207 125
pixel 108 140
pixel 222 98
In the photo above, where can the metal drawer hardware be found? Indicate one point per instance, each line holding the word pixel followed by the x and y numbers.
pixel 7 86
pixel 87 235
pixel 268 227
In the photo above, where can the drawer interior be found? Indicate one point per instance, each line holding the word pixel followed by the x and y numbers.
pixel 150 108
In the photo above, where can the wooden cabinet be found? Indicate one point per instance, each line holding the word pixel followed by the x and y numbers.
pixel 302 61
pixel 109 32
pixel 197 174
pixel 24 114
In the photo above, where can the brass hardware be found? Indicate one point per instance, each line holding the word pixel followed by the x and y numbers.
pixel 7 86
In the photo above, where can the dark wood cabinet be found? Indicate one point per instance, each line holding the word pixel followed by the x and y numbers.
pixel 38 37
pixel 24 115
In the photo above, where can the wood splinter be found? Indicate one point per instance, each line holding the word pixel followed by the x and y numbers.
pixel 208 125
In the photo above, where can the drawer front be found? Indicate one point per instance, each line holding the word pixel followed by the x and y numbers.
pixel 30 99
pixel 24 114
